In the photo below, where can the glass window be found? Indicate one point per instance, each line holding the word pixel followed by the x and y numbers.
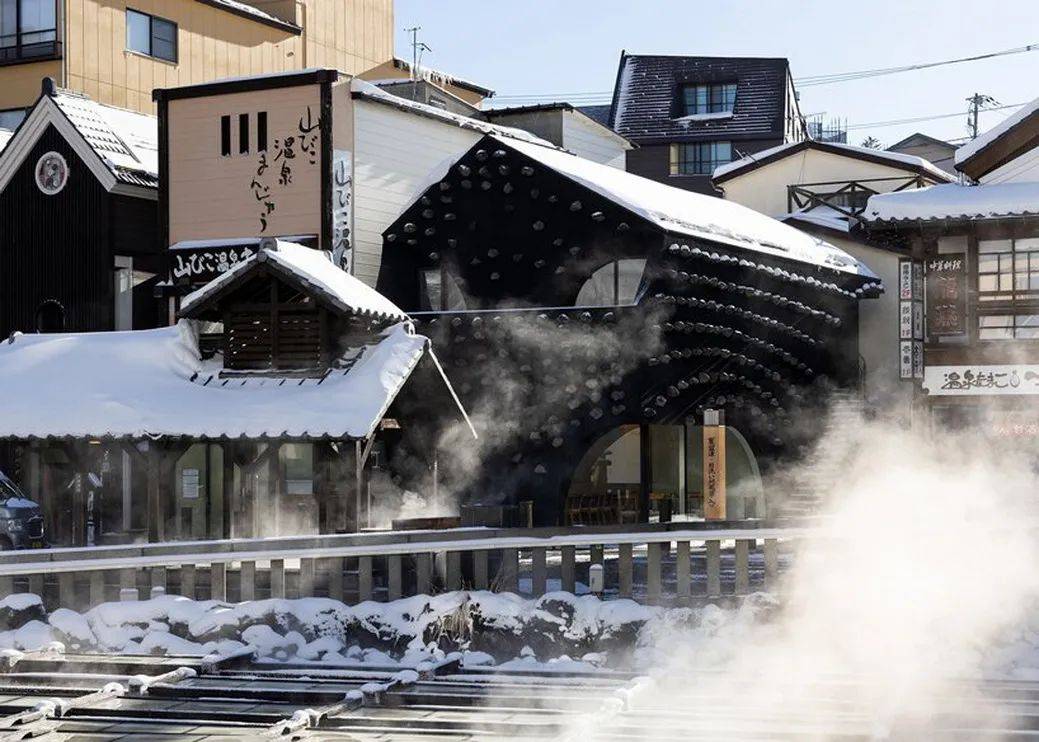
pixel 699 158
pixel 149 35
pixel 1008 270
pixel 708 98
pixel 614 284
pixel 28 28
pixel 1008 327
pixel 440 292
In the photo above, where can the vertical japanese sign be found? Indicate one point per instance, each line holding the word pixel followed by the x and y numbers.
pixel 713 471
pixel 342 209
pixel 910 319
pixel 947 295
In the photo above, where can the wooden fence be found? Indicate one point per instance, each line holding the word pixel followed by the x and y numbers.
pixel 670 562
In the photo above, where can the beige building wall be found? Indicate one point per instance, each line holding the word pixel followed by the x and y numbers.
pixel 213 43
pixel 764 188
pixel 218 197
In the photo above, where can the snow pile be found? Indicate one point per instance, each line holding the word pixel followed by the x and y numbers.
pixel 953 201
pixel 559 630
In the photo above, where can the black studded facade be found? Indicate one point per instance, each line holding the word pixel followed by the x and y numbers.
pixel 711 326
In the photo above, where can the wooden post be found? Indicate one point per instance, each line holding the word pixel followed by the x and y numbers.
pixel 335 577
pixel 187 580
pixel 6 585
pixel 158 581
pixel 128 584
pixel 277 578
pixel 423 574
pixel 218 581
pixel 653 580
pixel 97 588
pixel 625 569
pixel 714 569
pixel 394 581
pixel 538 572
pixel 247 581
pixel 771 563
pixel 454 570
pixel 713 466
pixel 743 566
pixel 508 574
pixel 645 471
pixel 683 584
pixel 568 568
pixel 155 515
pixel 67 590
pixel 306 578
pixel 480 572
pixel 230 503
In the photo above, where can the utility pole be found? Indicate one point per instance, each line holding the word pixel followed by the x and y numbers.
pixel 417 47
pixel 976 102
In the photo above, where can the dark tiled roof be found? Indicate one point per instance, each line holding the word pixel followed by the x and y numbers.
pixel 599 114
pixel 647 89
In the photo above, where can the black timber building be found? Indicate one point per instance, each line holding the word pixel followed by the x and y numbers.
pixel 576 305
pixel 689 115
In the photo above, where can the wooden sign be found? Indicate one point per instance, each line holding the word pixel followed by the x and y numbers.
pixel 714 472
pixel 981 380
pixel 198 265
pixel 947 295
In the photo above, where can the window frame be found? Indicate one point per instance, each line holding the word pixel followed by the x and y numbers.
pixel 677 160
pixel 708 103
pixel 175 41
pixel 1013 303
pixel 22 51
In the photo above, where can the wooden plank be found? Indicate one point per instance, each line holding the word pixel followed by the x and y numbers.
pixel 97 587
pixel 568 568
pixel 364 578
pixel 277 578
pixel 306 578
pixel 714 568
pixel 653 580
pixel 480 570
pixel 743 566
pixel 771 563
pixel 683 581
pixel 218 581
pixel 247 581
pixel 128 584
pixel 454 570
pixel 508 575
pixel 538 572
pixel 394 577
pixel 187 580
pixel 625 569
pixel 423 574
pixel 66 591
pixel 335 578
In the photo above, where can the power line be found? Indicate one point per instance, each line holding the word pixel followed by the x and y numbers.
pixel 605 96
pixel 919 119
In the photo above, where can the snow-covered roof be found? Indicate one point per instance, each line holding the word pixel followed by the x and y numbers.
pixel 248 10
pixel 363 89
pixel 982 141
pixel 5 137
pixel 314 269
pixel 146 383
pixel 954 201
pixel 127 141
pixel 895 159
pixel 684 212
pixel 820 216
pixel 443 78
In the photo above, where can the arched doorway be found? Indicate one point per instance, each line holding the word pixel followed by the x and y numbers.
pixel 607 483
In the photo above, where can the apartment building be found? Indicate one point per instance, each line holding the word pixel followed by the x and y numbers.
pixel 117 52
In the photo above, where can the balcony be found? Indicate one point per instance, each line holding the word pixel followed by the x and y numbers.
pixel 848 197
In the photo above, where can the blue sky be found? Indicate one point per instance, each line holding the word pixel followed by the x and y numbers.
pixel 520 47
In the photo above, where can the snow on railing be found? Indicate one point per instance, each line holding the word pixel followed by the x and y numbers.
pixel 392 565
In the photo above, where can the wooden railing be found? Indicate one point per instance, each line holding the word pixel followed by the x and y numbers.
pixel 652 562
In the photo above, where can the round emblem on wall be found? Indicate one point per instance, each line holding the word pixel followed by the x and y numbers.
pixel 52 172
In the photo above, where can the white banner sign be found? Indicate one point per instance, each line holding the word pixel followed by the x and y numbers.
pixel 981 380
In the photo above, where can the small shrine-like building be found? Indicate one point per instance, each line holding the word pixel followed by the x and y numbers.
pixel 261 412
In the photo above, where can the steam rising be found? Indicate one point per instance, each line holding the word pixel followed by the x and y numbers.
pixel 924 563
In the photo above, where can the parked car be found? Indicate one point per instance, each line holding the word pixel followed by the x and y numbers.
pixel 21 520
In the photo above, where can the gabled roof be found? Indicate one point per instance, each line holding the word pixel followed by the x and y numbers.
pixel 954 202
pixel 600 113
pixel 120 147
pixel 920 137
pixel 149 383
pixel 443 78
pixel 310 270
pixel 367 91
pixel 910 163
pixel 1004 142
pixel 647 87
pixel 683 212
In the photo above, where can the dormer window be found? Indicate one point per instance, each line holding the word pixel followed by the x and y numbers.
pixel 706 98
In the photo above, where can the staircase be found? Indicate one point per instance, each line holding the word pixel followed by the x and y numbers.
pixel 811 481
